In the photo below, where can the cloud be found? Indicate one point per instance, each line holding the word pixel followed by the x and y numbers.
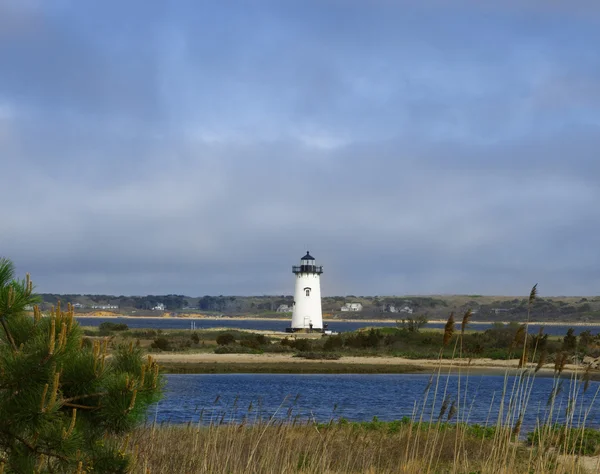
pixel 200 149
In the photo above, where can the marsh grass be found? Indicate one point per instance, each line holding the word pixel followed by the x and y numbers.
pixel 437 437
pixel 309 448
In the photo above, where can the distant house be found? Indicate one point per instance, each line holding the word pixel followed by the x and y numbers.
pixel 28 307
pixel 407 310
pixel 284 308
pixel 78 306
pixel 159 307
pixel 500 310
pixel 390 308
pixel 104 306
pixel 352 307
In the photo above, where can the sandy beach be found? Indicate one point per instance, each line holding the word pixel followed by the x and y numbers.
pixel 475 366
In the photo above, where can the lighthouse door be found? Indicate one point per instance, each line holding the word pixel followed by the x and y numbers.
pixel 306 321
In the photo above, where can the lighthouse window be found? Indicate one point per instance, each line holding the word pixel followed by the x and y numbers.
pixel 307 290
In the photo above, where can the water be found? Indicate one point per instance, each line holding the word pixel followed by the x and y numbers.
pixel 356 397
pixel 276 325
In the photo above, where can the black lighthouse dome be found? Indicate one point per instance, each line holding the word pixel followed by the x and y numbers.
pixel 307 265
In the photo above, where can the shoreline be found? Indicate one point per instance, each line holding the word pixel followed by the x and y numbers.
pixel 287 363
pixel 374 321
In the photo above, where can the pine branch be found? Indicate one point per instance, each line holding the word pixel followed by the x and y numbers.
pixel 9 335
pixel 90 395
pixel 33 449
pixel 82 407
pixel 81 397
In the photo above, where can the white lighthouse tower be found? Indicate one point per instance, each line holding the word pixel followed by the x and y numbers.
pixel 307 314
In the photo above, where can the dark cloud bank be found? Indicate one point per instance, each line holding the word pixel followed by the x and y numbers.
pixel 200 149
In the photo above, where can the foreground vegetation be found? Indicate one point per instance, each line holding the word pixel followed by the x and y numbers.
pixel 341 447
pixel 63 401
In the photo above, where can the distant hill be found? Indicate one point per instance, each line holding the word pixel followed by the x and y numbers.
pixel 485 308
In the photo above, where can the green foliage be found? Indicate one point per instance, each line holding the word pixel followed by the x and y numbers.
pixel 333 343
pixel 225 339
pixel 277 349
pixel 473 431
pixel 570 341
pixel 302 345
pixel 161 344
pixel 586 338
pixel 412 324
pixel 195 338
pixel 580 441
pixel 254 341
pixel 60 399
pixel 498 342
pixel 107 327
pixel 364 339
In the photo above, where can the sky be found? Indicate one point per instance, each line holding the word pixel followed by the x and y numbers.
pixel 202 147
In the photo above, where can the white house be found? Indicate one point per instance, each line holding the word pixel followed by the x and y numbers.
pixel 407 310
pixel 159 307
pixel 352 307
pixel 284 308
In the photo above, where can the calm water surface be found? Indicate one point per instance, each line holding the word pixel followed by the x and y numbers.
pixel 357 397
pixel 274 325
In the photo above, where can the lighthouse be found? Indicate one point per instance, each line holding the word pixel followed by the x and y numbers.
pixel 307 314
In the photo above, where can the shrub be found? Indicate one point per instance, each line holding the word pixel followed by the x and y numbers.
pixel 251 343
pixel 145 333
pixel 301 345
pixel 195 338
pixel 225 339
pixel 255 341
pixel 161 343
pixel 570 340
pixel 333 343
pixel 286 342
pixel 108 326
pixel 412 324
pixel 236 349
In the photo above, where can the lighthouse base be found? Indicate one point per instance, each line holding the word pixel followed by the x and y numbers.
pixel 308 330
